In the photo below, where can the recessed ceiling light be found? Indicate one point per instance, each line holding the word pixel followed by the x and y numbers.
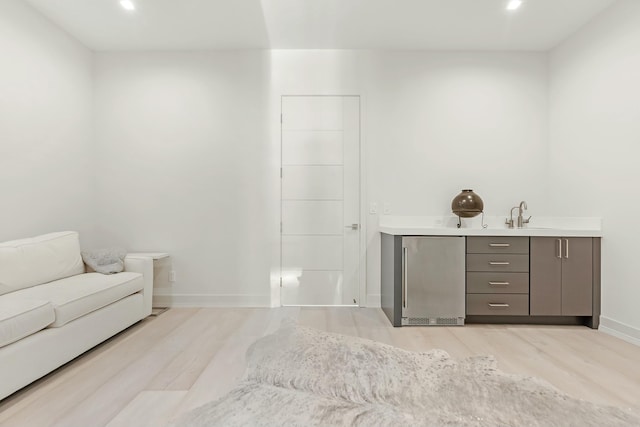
pixel 514 4
pixel 127 4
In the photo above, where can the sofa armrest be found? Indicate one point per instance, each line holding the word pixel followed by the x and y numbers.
pixel 144 266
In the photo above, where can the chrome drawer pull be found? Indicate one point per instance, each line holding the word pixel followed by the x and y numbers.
pixel 499 262
pixel 499 245
pixel 499 283
pixel 498 305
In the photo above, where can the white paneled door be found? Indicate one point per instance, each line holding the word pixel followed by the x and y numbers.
pixel 320 200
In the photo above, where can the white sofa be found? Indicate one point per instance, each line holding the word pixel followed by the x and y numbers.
pixel 52 310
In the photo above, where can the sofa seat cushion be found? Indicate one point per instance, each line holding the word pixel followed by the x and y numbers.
pixel 22 317
pixel 76 296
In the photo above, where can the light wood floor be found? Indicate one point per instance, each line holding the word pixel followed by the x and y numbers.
pixel 169 364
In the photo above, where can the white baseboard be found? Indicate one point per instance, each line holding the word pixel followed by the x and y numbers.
pixel 206 300
pixel 196 300
pixel 620 330
pixel 373 300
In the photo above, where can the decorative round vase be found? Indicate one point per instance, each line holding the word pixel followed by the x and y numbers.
pixel 467 204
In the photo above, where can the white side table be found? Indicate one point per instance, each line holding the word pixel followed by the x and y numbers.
pixel 161 273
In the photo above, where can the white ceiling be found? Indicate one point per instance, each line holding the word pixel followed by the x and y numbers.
pixel 320 24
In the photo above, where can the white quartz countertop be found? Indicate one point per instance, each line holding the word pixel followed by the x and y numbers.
pixel 447 226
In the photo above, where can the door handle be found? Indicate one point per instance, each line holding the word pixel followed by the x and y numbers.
pixel 559 248
pixel 352 226
pixel 405 270
pixel 566 248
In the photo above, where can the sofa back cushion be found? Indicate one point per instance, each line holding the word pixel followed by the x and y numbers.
pixel 29 262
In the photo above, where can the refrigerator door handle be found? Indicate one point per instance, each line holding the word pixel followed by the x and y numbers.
pixel 404 276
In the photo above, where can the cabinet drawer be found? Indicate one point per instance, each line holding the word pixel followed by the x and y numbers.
pixel 497 283
pixel 497 304
pixel 498 262
pixel 497 245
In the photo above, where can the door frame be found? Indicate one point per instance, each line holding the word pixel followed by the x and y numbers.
pixel 362 238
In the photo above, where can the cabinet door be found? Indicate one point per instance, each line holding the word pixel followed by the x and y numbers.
pixel 545 293
pixel 577 276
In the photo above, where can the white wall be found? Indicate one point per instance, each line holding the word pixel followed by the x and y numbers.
pixel 433 124
pixel 183 166
pixel 45 126
pixel 595 137
pixel 188 147
pixel 441 122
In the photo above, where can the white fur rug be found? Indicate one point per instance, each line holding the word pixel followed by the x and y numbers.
pixel 304 377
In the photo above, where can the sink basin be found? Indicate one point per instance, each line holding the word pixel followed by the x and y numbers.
pixel 516 228
pixel 529 228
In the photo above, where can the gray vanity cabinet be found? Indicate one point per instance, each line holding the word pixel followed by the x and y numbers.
pixel 561 276
pixel 513 279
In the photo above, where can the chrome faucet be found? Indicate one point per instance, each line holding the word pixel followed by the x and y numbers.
pixel 521 209
pixel 521 221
